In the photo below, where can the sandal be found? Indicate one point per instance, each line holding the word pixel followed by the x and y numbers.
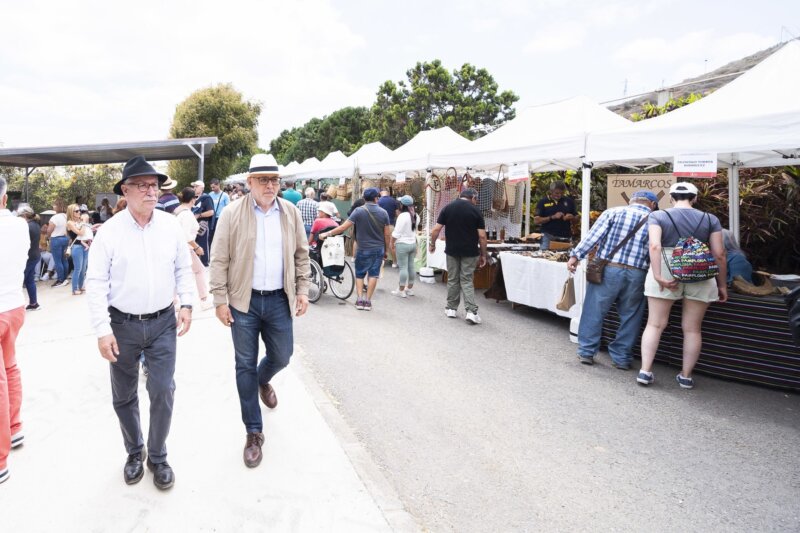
pixel 76 293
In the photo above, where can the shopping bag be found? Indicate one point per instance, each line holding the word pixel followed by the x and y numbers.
pixel 567 295
pixel 333 251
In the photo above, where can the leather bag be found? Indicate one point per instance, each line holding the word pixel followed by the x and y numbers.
pixel 596 266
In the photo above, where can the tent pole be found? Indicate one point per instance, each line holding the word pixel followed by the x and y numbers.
pixel 528 206
pixel 733 195
pixel 428 200
pixel 202 162
pixel 586 194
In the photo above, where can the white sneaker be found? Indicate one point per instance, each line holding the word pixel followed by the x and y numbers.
pixel 410 292
pixel 473 318
pixel 46 277
pixel 394 265
pixel 451 313
pixel 4 475
pixel 63 283
pixel 398 292
pixel 17 440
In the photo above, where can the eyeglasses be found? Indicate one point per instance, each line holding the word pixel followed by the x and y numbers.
pixel 144 186
pixel 263 180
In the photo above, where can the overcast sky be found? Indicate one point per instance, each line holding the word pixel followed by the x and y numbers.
pixel 93 71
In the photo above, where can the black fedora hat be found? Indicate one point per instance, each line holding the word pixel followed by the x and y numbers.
pixel 138 166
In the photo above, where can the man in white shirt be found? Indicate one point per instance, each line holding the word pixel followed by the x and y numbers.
pixel 139 261
pixel 260 276
pixel 16 242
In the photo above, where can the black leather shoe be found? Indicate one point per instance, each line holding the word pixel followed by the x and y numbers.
pixel 163 477
pixel 134 468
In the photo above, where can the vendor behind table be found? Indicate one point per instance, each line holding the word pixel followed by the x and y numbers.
pixel 555 214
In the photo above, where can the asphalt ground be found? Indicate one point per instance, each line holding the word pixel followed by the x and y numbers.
pixel 497 427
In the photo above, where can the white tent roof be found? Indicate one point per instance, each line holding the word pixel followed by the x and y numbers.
pixel 312 163
pixel 291 168
pixel 334 165
pixel 756 117
pixel 415 154
pixel 371 153
pixel 547 137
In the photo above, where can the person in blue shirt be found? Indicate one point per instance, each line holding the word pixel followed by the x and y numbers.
pixel 554 214
pixel 291 194
pixel 738 265
pixel 220 199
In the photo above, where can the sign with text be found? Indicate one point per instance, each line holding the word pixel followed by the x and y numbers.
pixel 400 177
pixel 518 172
pixel 699 165
pixel 621 186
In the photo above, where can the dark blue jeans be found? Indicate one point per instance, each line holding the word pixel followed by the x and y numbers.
pixel 624 287
pixel 269 318
pixel 30 284
pixel 58 245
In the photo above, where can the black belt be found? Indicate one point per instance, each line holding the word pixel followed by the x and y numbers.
pixel 146 316
pixel 267 293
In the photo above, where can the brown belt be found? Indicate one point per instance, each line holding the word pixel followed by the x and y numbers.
pixel 626 267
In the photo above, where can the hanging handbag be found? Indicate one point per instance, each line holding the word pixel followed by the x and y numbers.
pixel 596 265
pixel 567 299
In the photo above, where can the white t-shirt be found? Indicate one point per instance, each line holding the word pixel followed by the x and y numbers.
pixel 189 224
pixel 403 231
pixel 59 222
pixel 16 242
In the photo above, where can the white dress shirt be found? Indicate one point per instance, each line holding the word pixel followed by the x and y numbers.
pixel 137 269
pixel 268 261
pixel 16 243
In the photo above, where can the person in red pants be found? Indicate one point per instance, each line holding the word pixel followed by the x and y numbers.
pixel 15 239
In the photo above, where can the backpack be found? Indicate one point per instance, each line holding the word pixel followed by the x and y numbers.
pixel 692 260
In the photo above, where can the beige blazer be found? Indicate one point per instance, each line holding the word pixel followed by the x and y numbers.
pixel 233 252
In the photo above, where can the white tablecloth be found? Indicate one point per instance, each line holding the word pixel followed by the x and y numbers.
pixel 538 282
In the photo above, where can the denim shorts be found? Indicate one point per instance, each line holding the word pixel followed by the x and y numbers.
pixel 368 262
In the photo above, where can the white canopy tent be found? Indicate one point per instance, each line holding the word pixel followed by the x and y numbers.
pixel 334 165
pixel 415 154
pixel 547 137
pixel 309 165
pixel 371 153
pixel 754 121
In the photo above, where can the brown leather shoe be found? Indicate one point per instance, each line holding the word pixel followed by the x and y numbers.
pixel 252 449
pixel 267 394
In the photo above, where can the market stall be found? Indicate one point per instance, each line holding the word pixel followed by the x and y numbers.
pixel 535 281
pixel 754 121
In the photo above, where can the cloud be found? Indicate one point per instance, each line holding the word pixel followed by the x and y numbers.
pixel 556 38
pixel 688 55
pixel 85 72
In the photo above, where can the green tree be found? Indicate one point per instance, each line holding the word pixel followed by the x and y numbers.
pixel 46 184
pixel 219 111
pixel 341 130
pixel 466 100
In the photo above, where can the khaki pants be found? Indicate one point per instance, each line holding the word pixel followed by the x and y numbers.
pixel 460 272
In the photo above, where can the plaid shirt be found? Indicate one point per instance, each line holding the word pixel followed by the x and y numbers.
pixel 308 210
pixel 613 226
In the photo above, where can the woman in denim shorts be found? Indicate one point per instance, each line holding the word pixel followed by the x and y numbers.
pixel 662 290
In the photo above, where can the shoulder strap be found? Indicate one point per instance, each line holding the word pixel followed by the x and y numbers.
pixel 673 223
pixel 628 236
pixel 373 221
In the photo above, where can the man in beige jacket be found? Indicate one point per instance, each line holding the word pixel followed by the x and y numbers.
pixel 260 276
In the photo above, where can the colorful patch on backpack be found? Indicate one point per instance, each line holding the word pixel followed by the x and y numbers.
pixel 692 261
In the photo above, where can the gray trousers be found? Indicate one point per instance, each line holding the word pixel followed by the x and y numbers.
pixel 459 280
pixel 157 338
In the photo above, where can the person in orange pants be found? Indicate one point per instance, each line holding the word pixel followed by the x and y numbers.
pixel 16 241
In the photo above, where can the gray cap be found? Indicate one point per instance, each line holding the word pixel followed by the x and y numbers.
pixel 469 192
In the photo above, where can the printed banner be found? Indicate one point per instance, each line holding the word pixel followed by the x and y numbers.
pixel 621 186
pixel 699 165
pixel 518 172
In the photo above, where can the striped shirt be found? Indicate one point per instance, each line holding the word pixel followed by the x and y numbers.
pixel 611 228
pixel 308 210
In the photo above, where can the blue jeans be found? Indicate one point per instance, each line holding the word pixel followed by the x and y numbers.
pixel 268 317
pixel 30 273
pixel 622 286
pixel 308 230
pixel 368 262
pixel 80 257
pixel 58 245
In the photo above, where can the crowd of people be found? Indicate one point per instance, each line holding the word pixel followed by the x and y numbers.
pixel 255 238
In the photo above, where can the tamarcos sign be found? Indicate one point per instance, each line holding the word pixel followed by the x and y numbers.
pixel 621 186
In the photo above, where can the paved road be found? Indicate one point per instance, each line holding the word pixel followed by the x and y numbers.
pixel 498 428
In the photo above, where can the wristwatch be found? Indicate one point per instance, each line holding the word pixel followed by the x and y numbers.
pixel 186 306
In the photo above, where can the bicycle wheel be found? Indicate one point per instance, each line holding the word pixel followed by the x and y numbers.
pixel 342 285
pixel 317 286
